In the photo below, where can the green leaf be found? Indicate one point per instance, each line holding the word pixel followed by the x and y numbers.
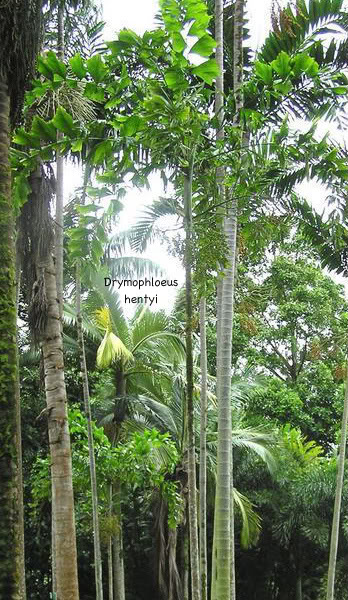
pixel 282 64
pixel 199 27
pixel 63 121
pixel 340 90
pixel 101 151
pixel 207 71
pixel 175 79
pixel 205 46
pixel 98 192
pixel 55 65
pixel 78 66
pixel 45 130
pixel 117 46
pixel 96 68
pixel 94 92
pixel 21 190
pixel 23 138
pixel 178 41
pixel 87 208
pixel 195 10
pixel 130 37
pixel 76 146
pixel 131 126
pixel 97 249
pixel 264 71
pixel 43 68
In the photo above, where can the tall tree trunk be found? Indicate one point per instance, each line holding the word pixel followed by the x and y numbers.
pixel 59 439
pixel 23 592
pixel 191 461
pixel 59 231
pixel 92 466
pixel 9 540
pixel 330 595
pixel 118 574
pixel 110 562
pixel 185 562
pixel 85 385
pixel 223 487
pixel 203 453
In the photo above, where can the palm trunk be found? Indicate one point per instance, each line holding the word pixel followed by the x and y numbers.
pixel 118 574
pixel 203 455
pixel 23 592
pixel 92 466
pixel 59 439
pixel 87 404
pixel 9 544
pixel 59 232
pixel 338 499
pixel 223 488
pixel 185 562
pixel 192 502
pixel 110 563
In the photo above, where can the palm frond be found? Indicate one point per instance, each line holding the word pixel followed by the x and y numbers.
pixel 144 232
pixel 112 348
pixel 251 521
pixel 132 267
pixel 291 29
pixel 88 324
pixel 100 296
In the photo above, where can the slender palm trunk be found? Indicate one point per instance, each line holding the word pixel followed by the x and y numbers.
pixel 185 561
pixel 192 502
pixel 223 488
pixel 23 591
pixel 118 573
pixel 59 233
pixel 9 539
pixel 203 454
pixel 87 404
pixel 330 595
pixel 92 466
pixel 110 563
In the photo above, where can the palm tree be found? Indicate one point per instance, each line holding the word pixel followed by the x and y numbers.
pixel 20 34
pixel 225 577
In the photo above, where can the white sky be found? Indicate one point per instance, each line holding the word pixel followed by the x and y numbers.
pixel 138 15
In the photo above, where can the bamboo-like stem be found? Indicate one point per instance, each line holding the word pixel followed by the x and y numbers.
pixel 59 220
pixel 330 594
pixel 87 406
pixel 203 453
pixel 192 500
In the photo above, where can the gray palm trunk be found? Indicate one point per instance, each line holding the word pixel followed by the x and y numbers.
pixel 45 323
pixel 338 499
pixel 231 225
pixel 92 465
pixel 117 547
pixel 203 454
pixel 60 183
pixel 191 459
pixel 59 439
pixel 222 536
pixel 87 405
pixel 224 541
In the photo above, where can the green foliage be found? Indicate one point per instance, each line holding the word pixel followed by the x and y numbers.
pixel 134 463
